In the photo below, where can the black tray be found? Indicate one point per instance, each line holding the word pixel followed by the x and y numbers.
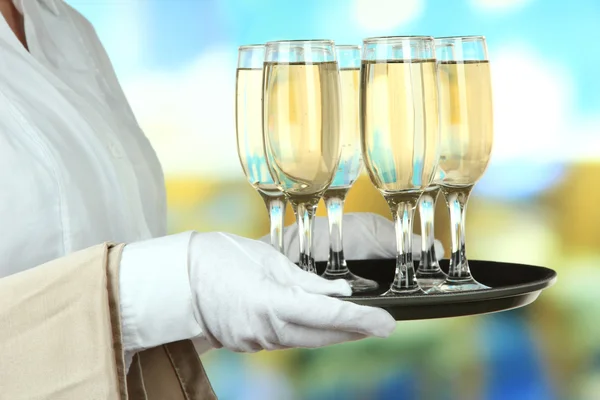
pixel 512 286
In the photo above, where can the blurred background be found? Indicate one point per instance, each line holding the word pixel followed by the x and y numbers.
pixel 537 204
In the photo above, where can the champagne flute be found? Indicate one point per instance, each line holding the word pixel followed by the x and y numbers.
pixel 466 121
pixel 249 132
pixel 349 168
pixel 399 133
pixel 301 114
pixel 429 273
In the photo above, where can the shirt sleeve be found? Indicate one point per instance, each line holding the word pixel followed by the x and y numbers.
pixel 156 297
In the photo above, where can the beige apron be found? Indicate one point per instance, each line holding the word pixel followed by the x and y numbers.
pixel 60 338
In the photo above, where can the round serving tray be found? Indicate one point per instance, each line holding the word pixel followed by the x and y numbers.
pixel 512 286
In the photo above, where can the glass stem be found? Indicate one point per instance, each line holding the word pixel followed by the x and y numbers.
pixel 456 199
pixel 305 212
pixel 334 200
pixel 276 206
pixel 403 209
pixel 428 261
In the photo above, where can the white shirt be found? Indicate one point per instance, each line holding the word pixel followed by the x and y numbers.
pixel 77 170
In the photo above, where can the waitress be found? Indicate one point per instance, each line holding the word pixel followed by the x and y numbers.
pixel 96 301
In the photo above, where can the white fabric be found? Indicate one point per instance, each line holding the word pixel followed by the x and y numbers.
pixel 156 297
pixel 268 302
pixel 75 167
pixel 365 235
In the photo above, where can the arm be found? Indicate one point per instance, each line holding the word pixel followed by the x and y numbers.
pixel 232 292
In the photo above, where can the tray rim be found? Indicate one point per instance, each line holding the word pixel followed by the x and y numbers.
pixel 419 300
pixel 493 306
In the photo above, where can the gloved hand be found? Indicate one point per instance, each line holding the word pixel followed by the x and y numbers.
pixel 248 297
pixel 365 235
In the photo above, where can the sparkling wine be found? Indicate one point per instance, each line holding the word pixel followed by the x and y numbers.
pixel 351 157
pixel 466 121
pixel 302 123
pixel 249 128
pixel 400 131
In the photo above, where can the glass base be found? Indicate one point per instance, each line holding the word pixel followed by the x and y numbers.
pixel 394 291
pixel 457 285
pixel 402 292
pixel 430 278
pixel 358 284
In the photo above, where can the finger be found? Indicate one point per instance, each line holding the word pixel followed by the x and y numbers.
pixel 299 336
pixel 368 235
pixel 286 273
pixel 323 312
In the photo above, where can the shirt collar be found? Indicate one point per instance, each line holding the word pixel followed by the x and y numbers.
pixel 51 5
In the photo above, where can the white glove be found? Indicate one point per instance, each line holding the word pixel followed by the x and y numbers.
pixel 222 290
pixel 248 297
pixel 365 235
